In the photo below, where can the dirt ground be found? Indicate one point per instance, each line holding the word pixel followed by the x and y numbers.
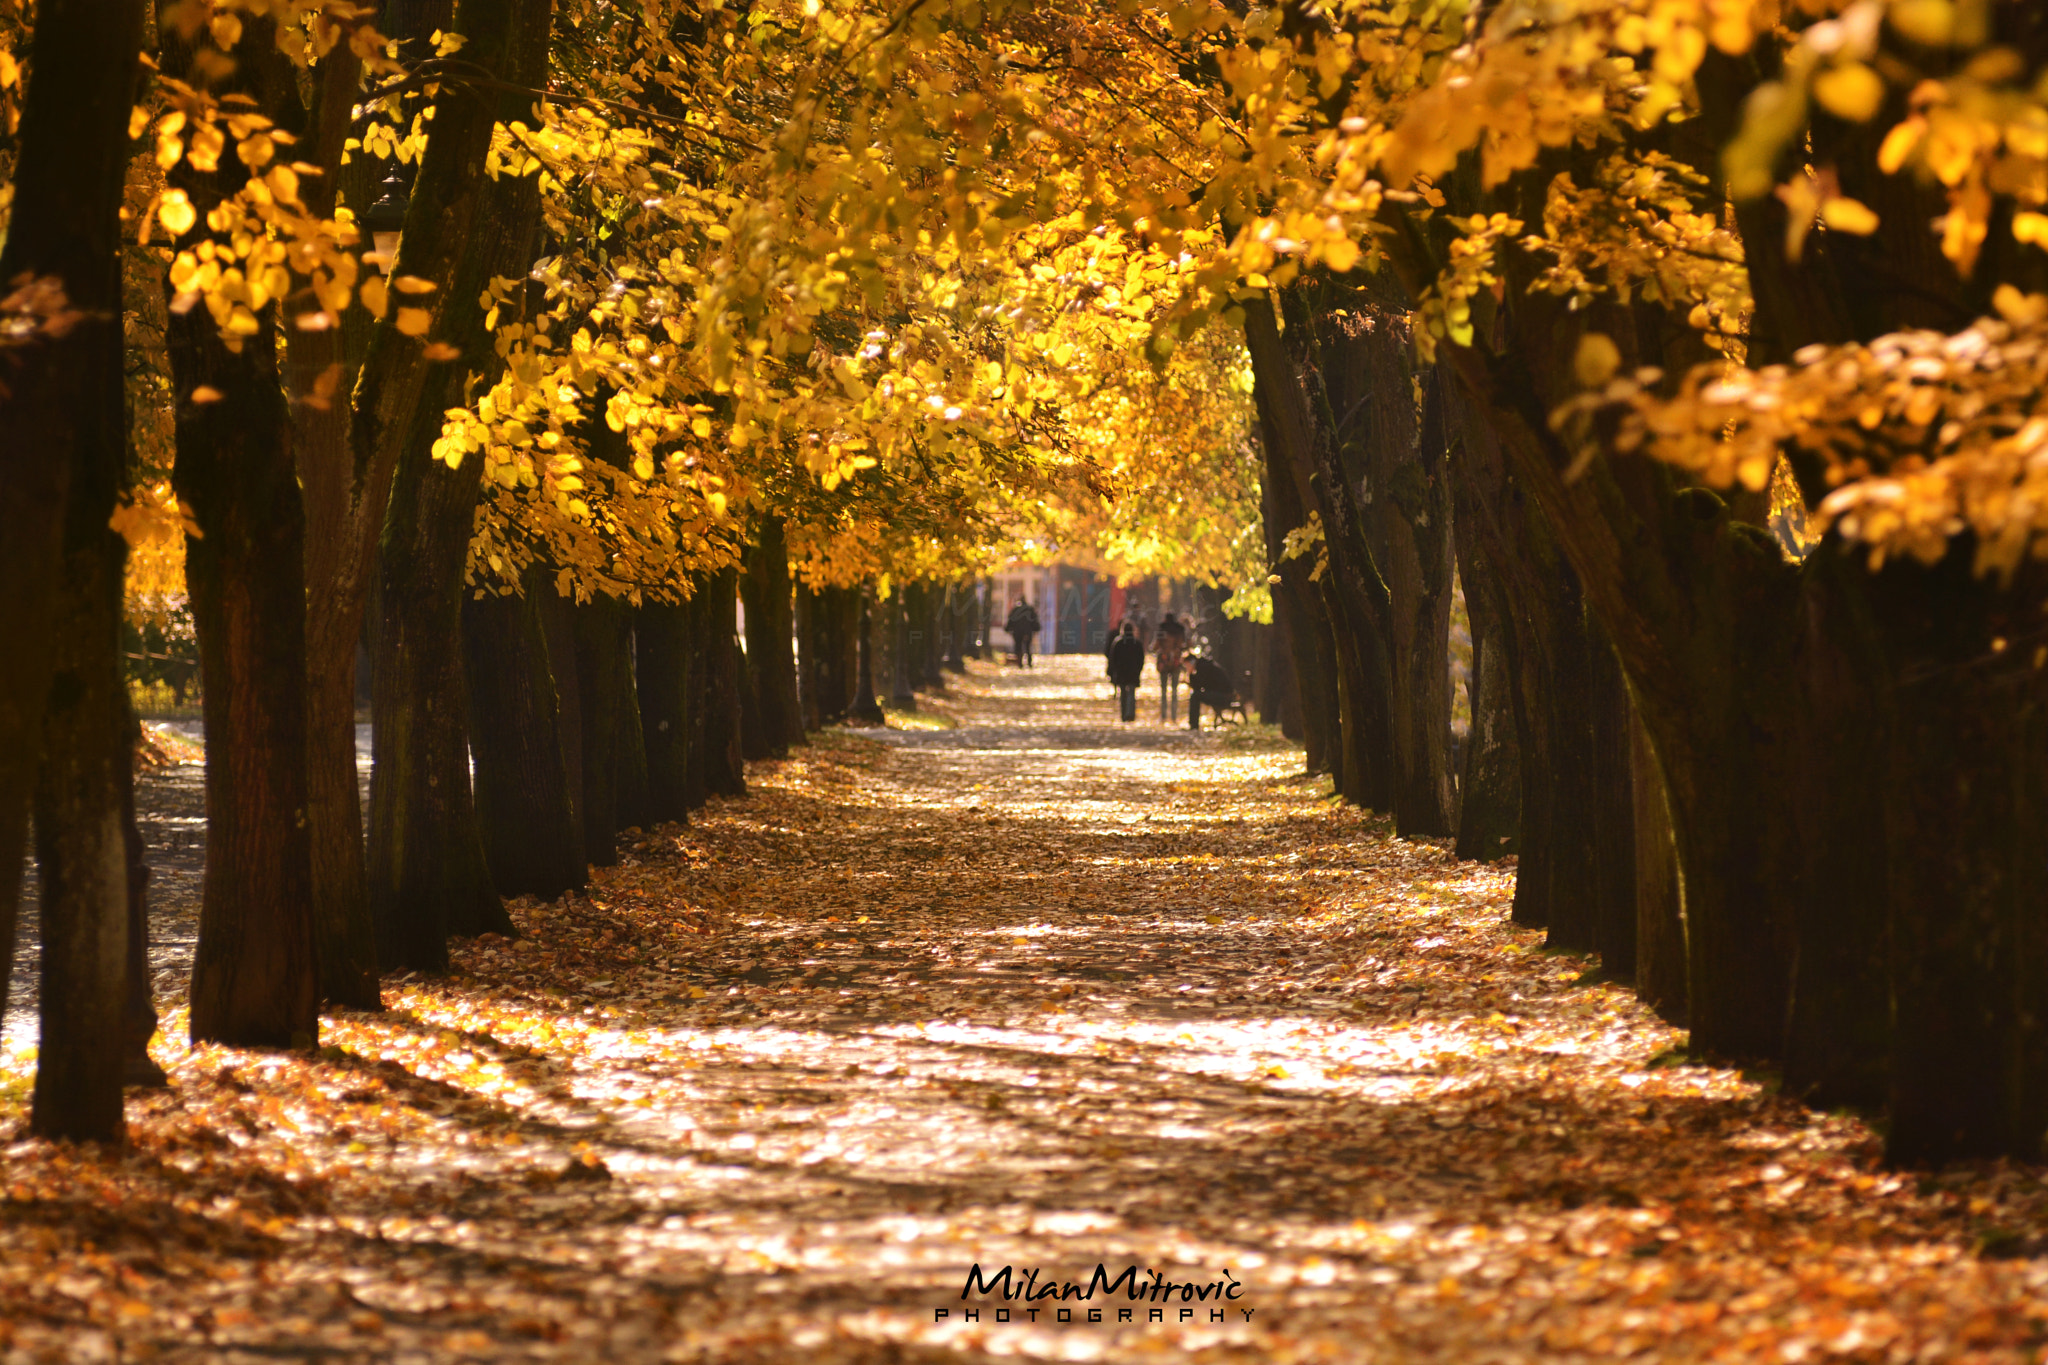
pixel 1006 986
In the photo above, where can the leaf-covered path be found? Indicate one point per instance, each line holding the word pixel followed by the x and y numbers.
pixel 1012 987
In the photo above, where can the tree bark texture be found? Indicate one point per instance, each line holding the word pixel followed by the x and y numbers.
pixel 81 836
pixel 1297 415
pixel 959 624
pixel 830 655
pixel 62 427
pixel 1490 794
pixel 342 512
pixel 1399 466
pixel 765 590
pixel 1614 815
pixel 865 710
pixel 1514 556
pixel 527 815
pixel 427 873
pixel 714 685
pixel 902 651
pixel 604 684
pixel 754 742
pixel 662 655
pixel 1699 609
pixel 1298 612
pixel 1660 911
pixel 1490 789
pixel 254 978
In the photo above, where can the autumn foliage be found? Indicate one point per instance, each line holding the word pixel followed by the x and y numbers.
pixel 1675 365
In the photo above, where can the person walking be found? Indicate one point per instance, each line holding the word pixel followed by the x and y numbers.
pixel 1208 685
pixel 1168 644
pixel 1126 667
pixel 1022 623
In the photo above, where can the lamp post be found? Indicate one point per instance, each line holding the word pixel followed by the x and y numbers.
pixel 385 219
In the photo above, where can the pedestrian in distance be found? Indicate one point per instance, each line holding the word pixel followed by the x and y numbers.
pixel 1208 685
pixel 1126 668
pixel 1168 644
pixel 1022 623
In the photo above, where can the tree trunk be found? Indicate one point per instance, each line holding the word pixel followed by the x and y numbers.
pixel 1564 690
pixel 662 638
pixel 254 980
pixel 527 815
pixel 343 508
pixel 557 617
pixel 1408 511
pixel 604 673
pixel 865 709
pixel 1614 815
pixel 959 627
pixel 834 615
pixel 1295 415
pixel 1490 789
pixel 636 802
pixel 754 741
pixel 987 650
pixel 81 832
pixel 1660 912
pixel 902 654
pixel 1838 1044
pixel 1280 707
pixel 809 662
pixel 1490 795
pixel 427 874
pixel 932 669
pixel 1298 612
pixel 766 593
pixel 1702 612
pixel 715 684
pixel 62 428
pixel 1965 803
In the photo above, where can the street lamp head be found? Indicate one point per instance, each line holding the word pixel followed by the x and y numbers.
pixel 385 219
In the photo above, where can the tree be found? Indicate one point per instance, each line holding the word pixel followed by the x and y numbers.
pixel 253 976
pixel 463 231
pixel 765 591
pixel 62 701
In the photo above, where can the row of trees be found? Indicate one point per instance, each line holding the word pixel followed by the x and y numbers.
pixel 410 334
pixel 1744 501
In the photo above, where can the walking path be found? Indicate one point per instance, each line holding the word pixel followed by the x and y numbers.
pixel 1014 986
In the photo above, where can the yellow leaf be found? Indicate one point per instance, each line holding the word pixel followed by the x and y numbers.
pixel 2021 310
pixel 441 350
pixel 1597 359
pixel 1899 144
pixel 2031 228
pixel 1928 22
pixel 413 284
pixel 206 393
pixel 414 322
pixel 176 213
pixel 1341 253
pixel 1851 91
pixel 373 296
pixel 1844 214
